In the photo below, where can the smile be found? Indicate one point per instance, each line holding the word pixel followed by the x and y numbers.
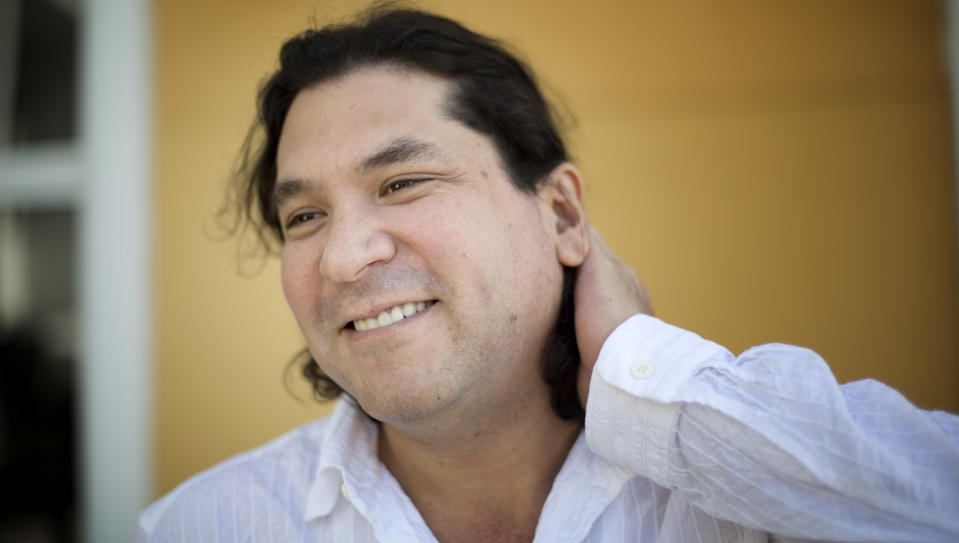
pixel 391 316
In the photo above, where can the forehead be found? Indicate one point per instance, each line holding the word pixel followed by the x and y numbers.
pixel 344 118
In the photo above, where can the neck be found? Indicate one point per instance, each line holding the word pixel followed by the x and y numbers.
pixel 487 479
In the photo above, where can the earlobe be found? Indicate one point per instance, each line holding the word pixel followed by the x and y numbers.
pixel 564 196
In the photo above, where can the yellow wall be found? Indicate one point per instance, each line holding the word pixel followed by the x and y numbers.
pixel 774 172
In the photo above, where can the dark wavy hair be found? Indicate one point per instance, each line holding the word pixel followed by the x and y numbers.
pixel 493 93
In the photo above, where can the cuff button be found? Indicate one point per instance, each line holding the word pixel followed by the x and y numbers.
pixel 641 370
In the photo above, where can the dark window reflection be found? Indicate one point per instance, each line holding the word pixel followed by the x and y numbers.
pixel 43 69
pixel 37 367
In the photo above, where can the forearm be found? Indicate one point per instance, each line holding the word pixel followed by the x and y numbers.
pixel 770 441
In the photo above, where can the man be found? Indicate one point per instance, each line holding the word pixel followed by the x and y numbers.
pixel 438 260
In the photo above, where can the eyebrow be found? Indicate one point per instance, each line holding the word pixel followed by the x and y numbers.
pixel 402 149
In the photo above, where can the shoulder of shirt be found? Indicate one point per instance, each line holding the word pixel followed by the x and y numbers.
pixel 297 449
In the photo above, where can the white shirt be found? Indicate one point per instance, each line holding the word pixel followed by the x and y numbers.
pixel 685 443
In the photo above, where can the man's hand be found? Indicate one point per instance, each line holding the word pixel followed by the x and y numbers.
pixel 607 293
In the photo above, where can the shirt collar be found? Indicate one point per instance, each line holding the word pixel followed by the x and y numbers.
pixel 582 490
pixel 349 447
pixel 349 460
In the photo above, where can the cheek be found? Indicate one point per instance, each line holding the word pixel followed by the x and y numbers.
pixel 530 242
pixel 440 233
pixel 295 278
pixel 534 266
pixel 508 244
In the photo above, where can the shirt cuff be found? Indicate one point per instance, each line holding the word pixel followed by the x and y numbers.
pixel 633 405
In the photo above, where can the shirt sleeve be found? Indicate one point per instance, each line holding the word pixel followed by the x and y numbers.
pixel 770 441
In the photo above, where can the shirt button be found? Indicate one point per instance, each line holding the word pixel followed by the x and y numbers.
pixel 641 370
pixel 346 493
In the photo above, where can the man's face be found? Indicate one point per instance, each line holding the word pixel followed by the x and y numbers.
pixel 389 207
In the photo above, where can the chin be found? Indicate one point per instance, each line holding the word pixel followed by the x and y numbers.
pixel 396 407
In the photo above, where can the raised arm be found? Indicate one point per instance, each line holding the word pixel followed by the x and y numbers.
pixel 767 440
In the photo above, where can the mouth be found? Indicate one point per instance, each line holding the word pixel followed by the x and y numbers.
pixel 390 316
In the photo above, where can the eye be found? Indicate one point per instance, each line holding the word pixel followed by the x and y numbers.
pixel 299 218
pixel 398 185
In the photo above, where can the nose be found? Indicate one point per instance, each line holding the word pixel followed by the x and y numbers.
pixel 355 244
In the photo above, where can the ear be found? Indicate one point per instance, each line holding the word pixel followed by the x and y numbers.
pixel 561 205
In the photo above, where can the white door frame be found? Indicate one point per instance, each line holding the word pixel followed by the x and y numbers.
pixel 116 247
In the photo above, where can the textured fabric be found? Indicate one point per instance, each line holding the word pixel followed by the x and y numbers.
pixel 686 443
pixel 769 440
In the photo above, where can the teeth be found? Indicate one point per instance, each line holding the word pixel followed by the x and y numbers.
pixel 386 318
